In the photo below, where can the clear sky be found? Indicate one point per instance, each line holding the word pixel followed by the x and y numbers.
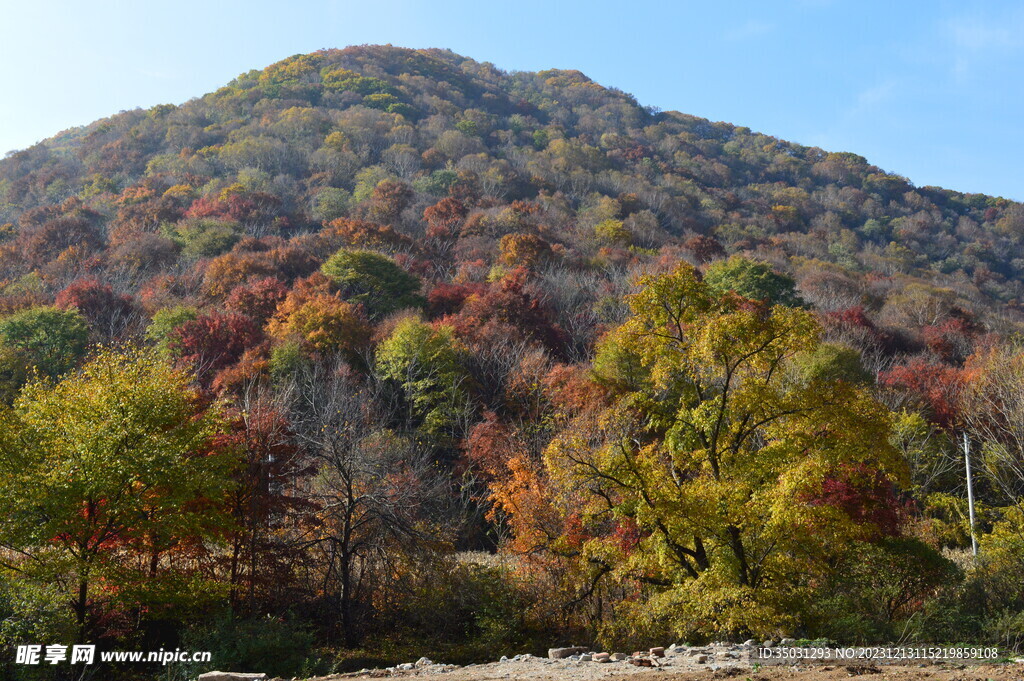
pixel 928 89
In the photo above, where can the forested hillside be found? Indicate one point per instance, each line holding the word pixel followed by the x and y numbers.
pixel 378 349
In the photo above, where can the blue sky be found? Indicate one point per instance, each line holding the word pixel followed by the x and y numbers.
pixel 930 90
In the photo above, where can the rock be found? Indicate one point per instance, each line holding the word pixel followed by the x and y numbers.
pixel 602 657
pixel 642 662
pixel 618 657
pixel 562 653
pixel 769 644
pixel 503 659
pixel 406 667
pixel 787 641
pixel 231 676
pixel 701 659
pixel 658 652
pixel 423 662
pixel 586 657
pixel 750 643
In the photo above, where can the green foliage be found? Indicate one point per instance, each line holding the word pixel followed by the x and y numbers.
pixel 436 183
pixel 613 233
pixel 344 79
pixel 753 280
pixel 374 280
pixel 204 238
pixel 27 284
pixel 380 101
pixel 878 587
pixel 286 359
pixel 51 340
pixel 112 462
pixel 14 371
pixel 279 647
pixel 830 362
pixel 165 321
pixel 31 612
pixel 428 366
pixel 330 204
pixel 367 180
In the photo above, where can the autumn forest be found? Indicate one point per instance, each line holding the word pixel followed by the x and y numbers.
pixel 380 352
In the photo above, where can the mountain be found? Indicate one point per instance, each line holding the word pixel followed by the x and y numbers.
pixel 609 184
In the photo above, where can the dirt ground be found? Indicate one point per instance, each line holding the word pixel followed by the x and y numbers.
pixel 537 669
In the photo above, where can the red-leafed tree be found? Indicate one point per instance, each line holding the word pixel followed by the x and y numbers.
pixel 508 308
pixel 214 341
pixel 444 217
pixel 933 386
pixel 108 314
pixel 257 299
pixel 866 496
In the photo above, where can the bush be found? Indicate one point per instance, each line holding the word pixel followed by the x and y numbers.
pixel 462 612
pixel 30 614
pixel 275 646
pixel 880 587
pixel 205 238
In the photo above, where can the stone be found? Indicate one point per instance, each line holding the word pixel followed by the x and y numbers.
pixel 423 662
pixel 406 667
pixel 562 653
pixel 701 659
pixel 658 652
pixel 619 657
pixel 769 644
pixel 503 659
pixel 642 662
pixel 231 676
pixel 586 657
pixel 787 641
pixel 602 657
pixel 750 643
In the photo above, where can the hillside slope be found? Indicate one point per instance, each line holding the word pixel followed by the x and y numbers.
pixel 280 151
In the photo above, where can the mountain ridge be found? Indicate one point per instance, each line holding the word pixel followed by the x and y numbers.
pixel 553 133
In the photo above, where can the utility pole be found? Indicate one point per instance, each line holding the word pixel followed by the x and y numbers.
pixel 970 494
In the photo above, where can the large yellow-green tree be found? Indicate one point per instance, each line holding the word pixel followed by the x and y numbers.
pixel 706 480
pixel 108 476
